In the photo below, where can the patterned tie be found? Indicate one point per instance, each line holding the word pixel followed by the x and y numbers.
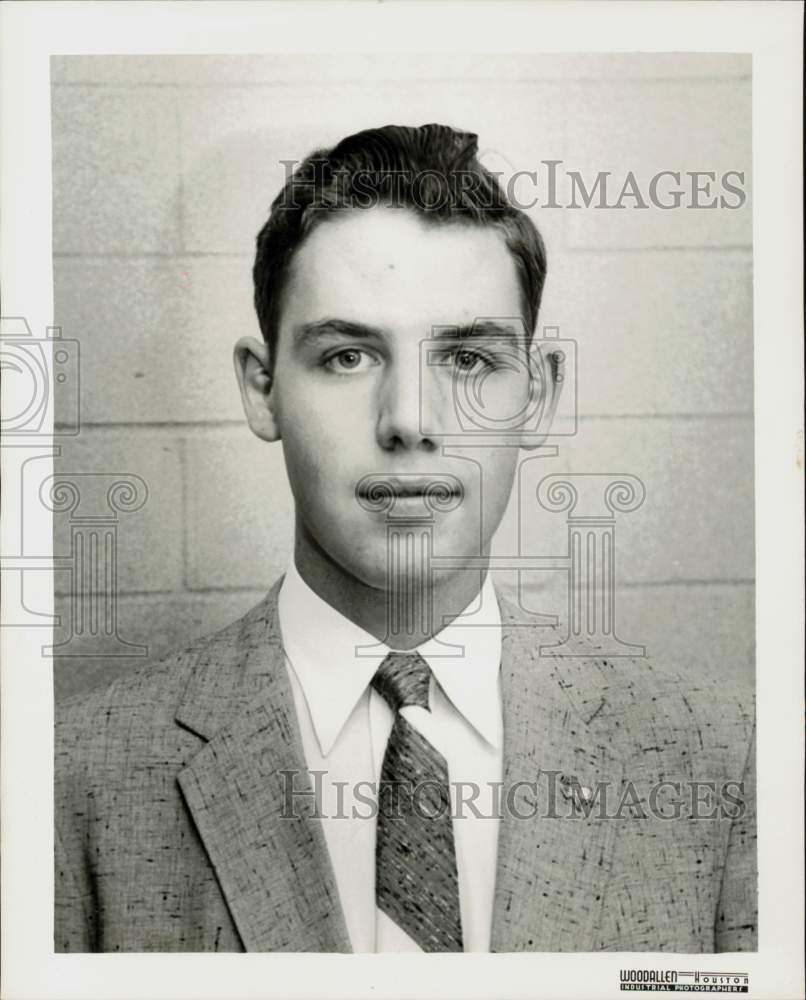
pixel 416 882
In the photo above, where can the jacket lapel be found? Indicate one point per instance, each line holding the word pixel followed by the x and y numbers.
pixel 553 866
pixel 246 790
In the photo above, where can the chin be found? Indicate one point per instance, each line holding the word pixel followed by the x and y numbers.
pixel 365 555
pixel 375 573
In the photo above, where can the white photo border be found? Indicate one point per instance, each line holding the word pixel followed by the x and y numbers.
pixel 771 32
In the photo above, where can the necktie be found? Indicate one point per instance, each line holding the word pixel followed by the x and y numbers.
pixel 416 882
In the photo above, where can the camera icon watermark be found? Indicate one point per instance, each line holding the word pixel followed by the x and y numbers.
pixel 43 369
pixel 490 383
pixel 41 401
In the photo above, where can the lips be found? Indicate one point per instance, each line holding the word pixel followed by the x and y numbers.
pixel 410 485
pixel 438 491
pixel 422 486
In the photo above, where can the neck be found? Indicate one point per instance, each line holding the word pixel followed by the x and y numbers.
pixel 402 616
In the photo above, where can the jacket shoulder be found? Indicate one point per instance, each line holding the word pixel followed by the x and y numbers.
pixel 639 705
pixel 140 705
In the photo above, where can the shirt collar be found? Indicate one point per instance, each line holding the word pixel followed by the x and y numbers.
pixel 465 659
pixel 334 659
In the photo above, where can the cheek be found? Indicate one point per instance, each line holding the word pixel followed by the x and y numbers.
pixel 324 440
pixel 321 411
pixel 499 465
pixel 306 422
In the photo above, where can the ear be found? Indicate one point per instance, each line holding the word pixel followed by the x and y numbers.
pixel 252 363
pixel 548 375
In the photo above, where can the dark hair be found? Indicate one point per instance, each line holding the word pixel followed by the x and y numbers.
pixel 432 170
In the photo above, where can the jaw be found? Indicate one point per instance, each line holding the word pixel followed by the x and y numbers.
pixel 386 582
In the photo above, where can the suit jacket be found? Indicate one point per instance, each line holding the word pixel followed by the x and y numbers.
pixel 173 833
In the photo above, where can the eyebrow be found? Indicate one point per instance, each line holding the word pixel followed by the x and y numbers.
pixel 340 327
pixel 349 328
pixel 480 328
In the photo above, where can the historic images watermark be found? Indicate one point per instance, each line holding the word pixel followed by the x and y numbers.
pixel 549 795
pixel 93 502
pixel 549 184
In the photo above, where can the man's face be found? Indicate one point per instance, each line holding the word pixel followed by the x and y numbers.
pixel 351 397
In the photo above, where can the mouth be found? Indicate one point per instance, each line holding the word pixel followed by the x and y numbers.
pixel 423 486
pixel 380 492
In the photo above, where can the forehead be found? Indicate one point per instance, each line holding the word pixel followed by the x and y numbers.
pixel 390 268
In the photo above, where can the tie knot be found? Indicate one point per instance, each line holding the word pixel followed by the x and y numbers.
pixel 403 680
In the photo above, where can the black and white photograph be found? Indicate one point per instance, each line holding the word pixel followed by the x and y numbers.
pixel 382 503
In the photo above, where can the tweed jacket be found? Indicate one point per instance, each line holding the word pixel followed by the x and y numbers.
pixel 173 831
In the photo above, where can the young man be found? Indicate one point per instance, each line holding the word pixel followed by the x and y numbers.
pixel 377 757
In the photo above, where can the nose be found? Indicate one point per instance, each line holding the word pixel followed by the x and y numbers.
pixel 404 409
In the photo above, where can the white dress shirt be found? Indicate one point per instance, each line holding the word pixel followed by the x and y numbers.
pixel 345 726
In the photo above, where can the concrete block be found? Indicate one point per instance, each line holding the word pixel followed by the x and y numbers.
pixel 149 539
pixel 156 335
pixel 699 630
pixel 115 170
pixel 240 512
pixel 646 127
pixel 697 521
pixel 657 332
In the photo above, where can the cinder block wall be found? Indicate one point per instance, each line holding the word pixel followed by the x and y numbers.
pixel 163 172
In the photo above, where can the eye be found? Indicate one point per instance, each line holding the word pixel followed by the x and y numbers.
pixel 349 360
pixel 467 361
